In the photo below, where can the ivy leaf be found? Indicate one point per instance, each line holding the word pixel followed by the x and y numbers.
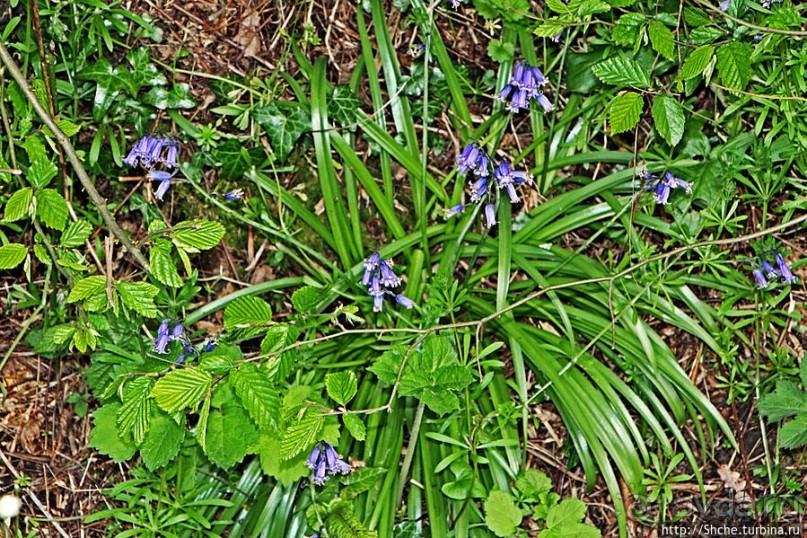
pixel 111 79
pixel 41 172
pixel 785 401
pixel 627 28
pixel 105 437
pixel 283 126
pixel 355 426
pixel 621 71
pixel 696 62
pixel 301 435
pixel 162 266
pixel 258 394
pixel 12 255
pixel 197 234
pixel 502 516
pixel 19 205
pixel 181 388
pixel 86 288
pixel 501 51
pixel 662 40
pixel 668 116
pixel 139 296
pixel 76 234
pixel 625 112
pixel 51 209
pixel 341 386
pixel 229 434
pixel 134 415
pixel 734 64
pixel 344 107
pixel 247 312
pixel 162 442
pixel 177 97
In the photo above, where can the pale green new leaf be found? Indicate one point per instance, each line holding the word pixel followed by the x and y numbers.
pixel 306 298
pixel 355 426
pixel 246 312
pixel 734 64
pixel 135 413
pixel 197 234
pixel 621 71
pixel 502 516
pixel 229 434
pixel 104 436
pixel 301 435
pixel 12 255
pixel 258 394
pixel 181 388
pixel 86 288
pixel 341 386
pixel 668 116
pixel 162 266
pixel 19 205
pixel 40 172
pixel 162 442
pixel 76 234
pixel 627 28
pixel 51 209
pixel 625 112
pixel 139 296
pixel 696 62
pixel 662 39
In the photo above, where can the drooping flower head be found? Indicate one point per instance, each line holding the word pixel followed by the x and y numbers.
pixel 379 277
pixel 784 270
pixel 724 5
pixel 165 181
pixel 158 154
pixel 233 195
pixel 326 462
pixel 473 159
pixel 525 85
pixel 765 273
pixel 662 186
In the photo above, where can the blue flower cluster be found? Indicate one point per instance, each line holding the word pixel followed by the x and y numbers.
pixel 167 334
pixel 379 277
pixel 661 186
pixel 474 159
pixel 152 151
pixel 525 85
pixel 326 462
pixel 765 272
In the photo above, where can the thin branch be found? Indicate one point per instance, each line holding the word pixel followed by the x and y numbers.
pixel 86 182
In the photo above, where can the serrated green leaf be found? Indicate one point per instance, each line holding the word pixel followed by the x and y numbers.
pixel 668 116
pixel 12 255
pixel 558 6
pixel 41 254
pixel 246 312
pixel 51 209
pixel 622 72
pixel 502 516
pixel 344 107
pixel 696 62
pixel 586 8
pixel 533 484
pixel 341 386
pixel 198 234
pixel 662 40
pixel 625 112
pixel 19 205
pixel 286 471
pixel 301 435
pixel 355 426
pixel 229 435
pixel 627 28
pixel 181 388
pixel 551 27
pixel 306 299
pixel 695 16
pixel 705 35
pixel 162 442
pixel 785 401
pixel 794 433
pixel 76 234
pixel 104 436
pixel 162 266
pixel 41 172
pixel 258 394
pixel 563 521
pixel 86 288
pixel 734 64
pixel 139 296
pixel 134 415
pixel 283 126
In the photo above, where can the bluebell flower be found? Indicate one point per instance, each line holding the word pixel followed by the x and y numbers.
pixel 165 181
pixel 187 349
pixel 490 215
pixel 479 189
pixel 767 3
pixel 455 210
pixel 379 277
pixel 760 276
pixel 455 3
pixel 784 271
pixel 473 159
pixel 177 332
pixel 404 301
pixel 770 272
pixel 138 149
pixel 172 153
pixel 234 195
pixel 664 185
pixel 163 337
pixel 507 179
pixel 724 5
pixel 526 84
pixel 326 462
pixel 210 344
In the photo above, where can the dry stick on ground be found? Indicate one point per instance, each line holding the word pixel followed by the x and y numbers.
pixel 86 182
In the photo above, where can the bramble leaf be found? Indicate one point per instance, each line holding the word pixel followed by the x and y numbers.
pixel 785 401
